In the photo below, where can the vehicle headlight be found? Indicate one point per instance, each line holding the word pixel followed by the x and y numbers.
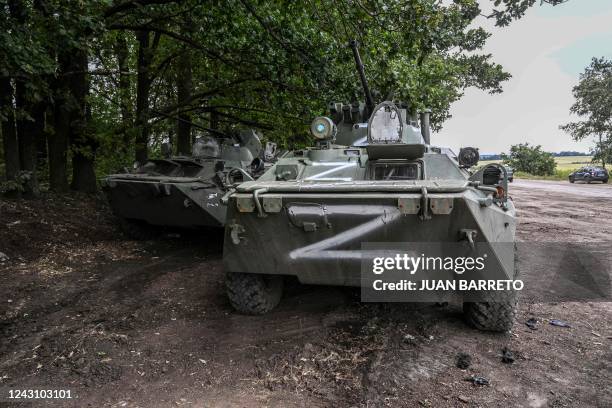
pixel 323 128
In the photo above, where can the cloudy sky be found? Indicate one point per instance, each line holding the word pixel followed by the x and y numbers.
pixel 545 52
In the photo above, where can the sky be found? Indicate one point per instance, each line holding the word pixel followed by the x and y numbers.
pixel 545 52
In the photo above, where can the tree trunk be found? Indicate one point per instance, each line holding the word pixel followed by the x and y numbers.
pixel 214 120
pixel 28 113
pixel 184 89
pixel 40 134
pixel 57 144
pixel 9 132
pixel 49 145
pixel 143 88
pixel 601 151
pixel 26 139
pixel 62 118
pixel 58 147
pixel 125 91
pixel 83 143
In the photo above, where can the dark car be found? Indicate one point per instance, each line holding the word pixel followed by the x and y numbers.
pixel 588 174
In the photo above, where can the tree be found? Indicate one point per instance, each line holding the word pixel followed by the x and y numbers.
pixel 9 132
pixel 505 11
pixel 28 111
pixel 258 61
pixel 530 159
pixel 594 106
pixel 100 83
pixel 602 152
pixel 38 42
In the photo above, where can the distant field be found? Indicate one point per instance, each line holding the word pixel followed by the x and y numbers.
pixel 572 162
pixel 565 165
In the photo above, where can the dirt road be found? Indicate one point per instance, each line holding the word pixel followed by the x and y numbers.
pixel 129 324
pixel 595 189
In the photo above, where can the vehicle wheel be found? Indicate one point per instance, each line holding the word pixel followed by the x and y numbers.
pixel 253 294
pixel 571 180
pixel 605 181
pixel 497 313
pixel 587 180
pixel 511 179
pixel 138 230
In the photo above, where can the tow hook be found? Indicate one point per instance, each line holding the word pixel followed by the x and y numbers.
pixel 225 198
pixel 260 211
pixel 469 234
pixel 424 204
pixel 235 231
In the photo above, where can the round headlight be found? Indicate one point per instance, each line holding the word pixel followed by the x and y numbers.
pixel 323 128
pixel 468 156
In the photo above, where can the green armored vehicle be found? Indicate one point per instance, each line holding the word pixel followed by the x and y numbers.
pixel 373 177
pixel 185 191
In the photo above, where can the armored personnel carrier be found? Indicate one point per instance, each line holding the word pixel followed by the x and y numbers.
pixel 185 191
pixel 373 177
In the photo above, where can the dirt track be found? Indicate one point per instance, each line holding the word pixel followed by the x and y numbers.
pixel 595 189
pixel 123 323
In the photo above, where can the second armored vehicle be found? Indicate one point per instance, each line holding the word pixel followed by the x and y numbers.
pixel 185 191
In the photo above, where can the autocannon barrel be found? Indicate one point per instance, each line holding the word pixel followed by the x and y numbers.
pixel 362 77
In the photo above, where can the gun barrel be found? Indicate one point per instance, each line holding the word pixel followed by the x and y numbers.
pixel 425 126
pixel 362 77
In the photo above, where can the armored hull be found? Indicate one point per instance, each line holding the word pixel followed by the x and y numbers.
pixel 185 191
pixel 318 213
pixel 316 230
pixel 177 201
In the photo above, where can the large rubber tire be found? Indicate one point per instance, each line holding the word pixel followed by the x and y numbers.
pixel 138 230
pixel 253 294
pixel 498 312
pixel 571 180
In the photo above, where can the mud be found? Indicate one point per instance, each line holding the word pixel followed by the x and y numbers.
pixel 126 324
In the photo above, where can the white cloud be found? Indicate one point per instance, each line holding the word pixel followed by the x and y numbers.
pixel 537 98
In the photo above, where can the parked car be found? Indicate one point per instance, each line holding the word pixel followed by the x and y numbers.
pixel 589 173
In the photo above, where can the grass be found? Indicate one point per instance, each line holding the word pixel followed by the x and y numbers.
pixel 572 162
pixel 565 166
pixel 560 174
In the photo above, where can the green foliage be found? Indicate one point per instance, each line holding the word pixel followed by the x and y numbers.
pixel 272 65
pixel 505 11
pixel 594 107
pixel 602 152
pixel 559 174
pixel 530 159
pixel 275 65
pixel 17 186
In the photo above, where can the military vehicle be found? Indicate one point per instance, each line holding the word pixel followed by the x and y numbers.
pixel 375 177
pixel 185 191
